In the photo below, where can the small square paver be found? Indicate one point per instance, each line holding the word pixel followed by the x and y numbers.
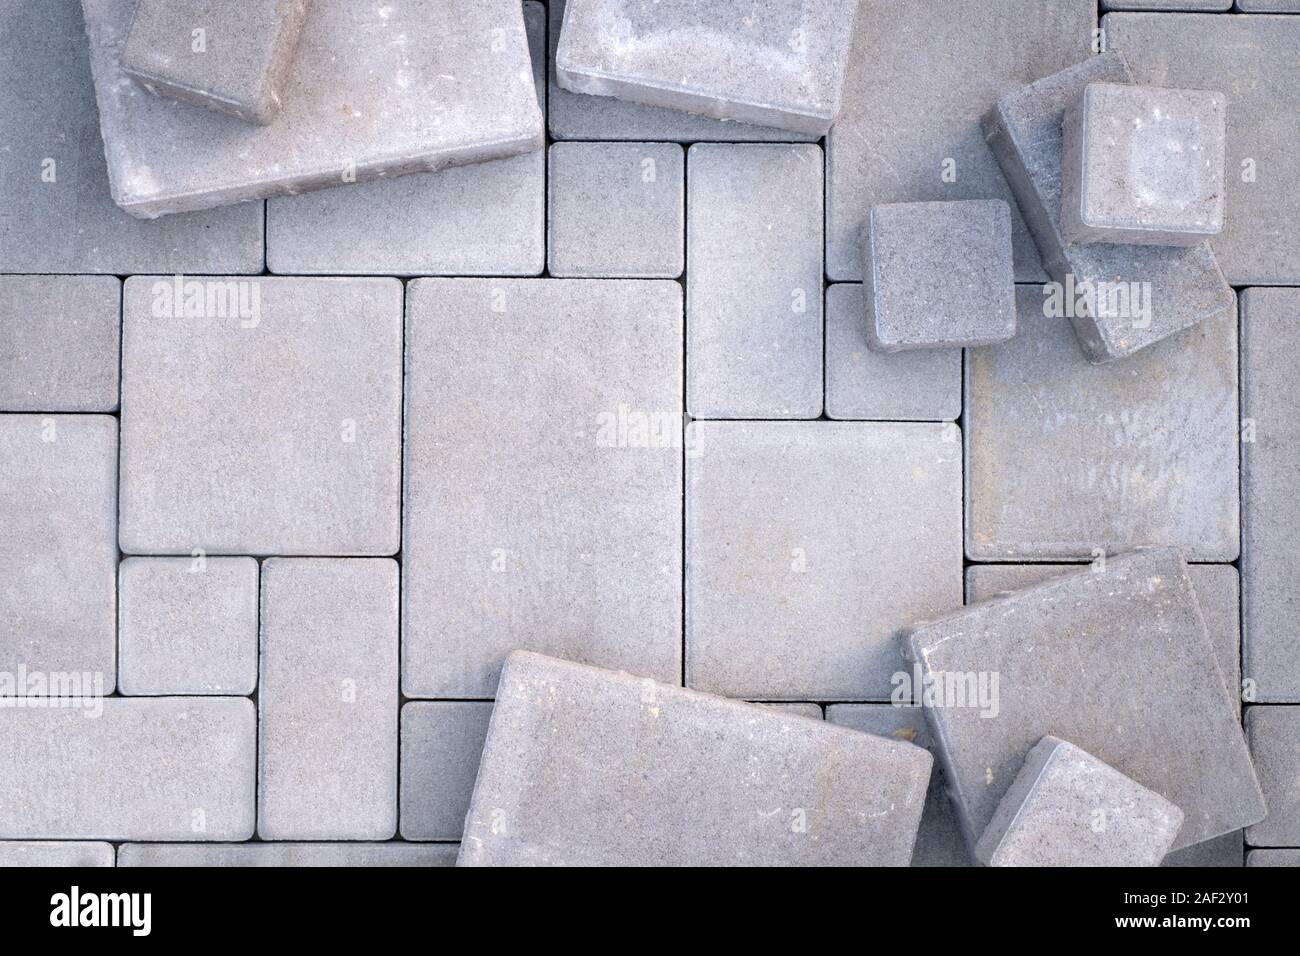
pixel 939 275
pixel 60 853
pixel 1102 641
pixel 187 626
pixel 809 547
pixel 754 281
pixel 1144 165
pixel 442 742
pixel 1274 732
pixel 779 63
pixel 232 58
pixel 1065 458
pixel 450 84
pixel 1067 808
pixel 59 343
pixel 327 700
pixel 616 209
pixel 591 767
pixel 545 515
pixel 286 854
pixel 58 552
pixel 261 416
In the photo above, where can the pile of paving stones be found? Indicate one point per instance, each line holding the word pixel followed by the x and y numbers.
pixel 905 398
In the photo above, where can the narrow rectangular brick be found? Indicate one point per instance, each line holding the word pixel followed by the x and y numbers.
pixel 1273 858
pixel 1268 6
pixel 286 854
pixel 442 742
pixel 56 853
pixel 1273 732
pixel 1208 5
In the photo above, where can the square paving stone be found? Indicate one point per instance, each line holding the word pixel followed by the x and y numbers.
pixel 809 547
pixel 57 214
pixel 754 281
pixel 1064 457
pixel 1102 641
pixel 484 219
pixel 58 550
pixel 59 339
pixel 1274 735
pixel 1270 474
pixel 187 625
pixel 863 384
pixel 910 127
pixel 261 416
pixel 1252 61
pixel 1273 858
pixel 1120 298
pixel 779 63
pixel 164 768
pixel 449 84
pixel 59 853
pixel 616 209
pixel 442 742
pixel 286 854
pixel 591 767
pixel 548 514
pixel 327 700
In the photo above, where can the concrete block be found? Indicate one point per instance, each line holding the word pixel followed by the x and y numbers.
pixel 1065 458
pixel 777 64
pixel 261 416
pixel 442 742
pixel 1270 517
pixel 484 219
pixel 164 768
pixel 448 83
pixel 930 148
pixel 1067 808
pixel 1273 732
pixel 939 275
pixel 225 57
pixel 616 209
pixel 1273 858
pixel 863 384
pixel 1251 60
pixel 286 854
pixel 327 700
pixel 798 708
pixel 1124 297
pixel 591 767
pixel 1143 165
pixel 845 533
pixel 1208 5
pixel 1268 6
pixel 187 626
pixel 546 515
pixel 753 281
pixel 58 553
pixel 1103 641
pixel 59 343
pixel 58 216
pixel 61 853
pixel 1228 850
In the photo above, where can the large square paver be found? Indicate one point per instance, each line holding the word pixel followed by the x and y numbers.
pixel 1274 734
pixel 590 767
pixel 271 424
pixel 809 547
pixel 286 854
pixel 542 505
pixel 1064 457
pixel 442 741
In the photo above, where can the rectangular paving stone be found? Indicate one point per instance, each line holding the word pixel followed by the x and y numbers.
pixel 1102 642
pixel 1270 468
pixel 56 853
pixel 753 281
pixel 1168 4
pixel 1274 735
pixel 1273 858
pixel 589 767
pixel 469 97
pixel 286 854
pixel 910 127
pixel 484 219
pixel 1251 60
pixel 546 515
pixel 776 64
pixel 328 699
pixel 58 552
pixel 863 384
pixel 187 626
pixel 1067 808
pixel 1123 298
pixel 59 342
pixel 165 768
pixel 228 58
pixel 798 708
pixel 1228 850
pixel 442 742
pixel 1064 457
pixel 261 416
pixel 1268 6
pixel 616 209
pixel 57 215
pixel 845 533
